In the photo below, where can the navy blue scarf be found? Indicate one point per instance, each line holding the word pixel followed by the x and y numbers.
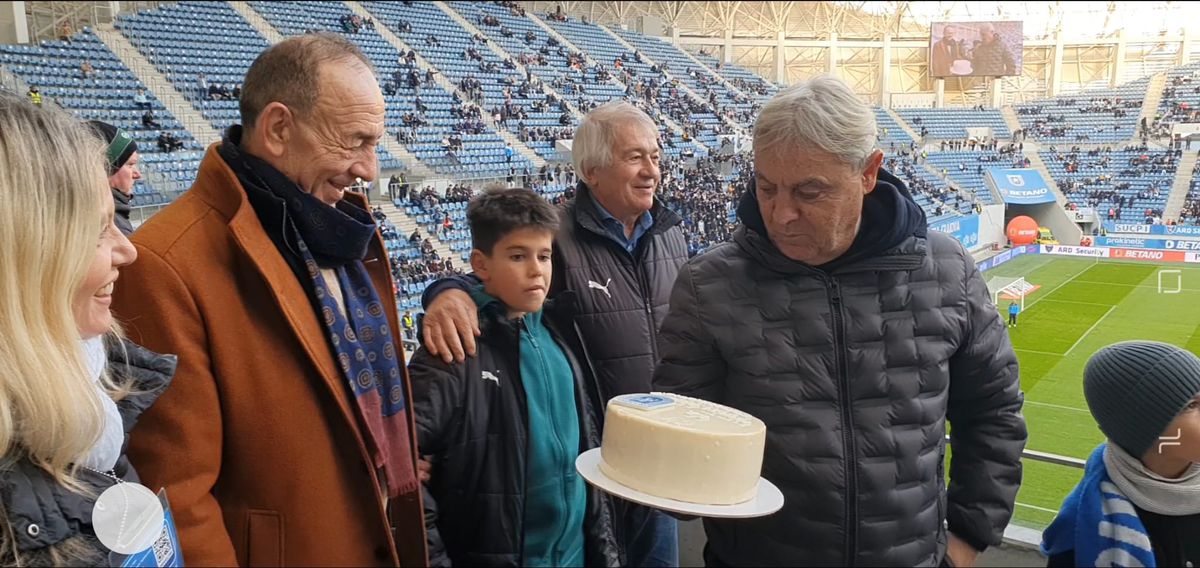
pixel 336 238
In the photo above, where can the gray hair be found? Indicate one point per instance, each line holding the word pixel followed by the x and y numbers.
pixel 820 113
pixel 594 140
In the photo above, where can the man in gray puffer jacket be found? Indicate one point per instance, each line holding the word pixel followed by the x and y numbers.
pixel 855 335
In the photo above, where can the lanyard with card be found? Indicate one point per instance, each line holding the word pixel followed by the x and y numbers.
pixel 164 552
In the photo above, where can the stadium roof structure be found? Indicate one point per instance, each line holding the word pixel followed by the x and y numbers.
pixel 1044 19
pixel 882 48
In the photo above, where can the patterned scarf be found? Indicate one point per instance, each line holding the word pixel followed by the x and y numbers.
pixel 361 338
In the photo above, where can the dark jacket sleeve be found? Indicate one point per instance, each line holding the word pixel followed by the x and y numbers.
pixel 462 282
pixel 437 404
pixel 987 429
pixel 690 363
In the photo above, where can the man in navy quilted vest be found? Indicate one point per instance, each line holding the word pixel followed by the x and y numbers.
pixel 855 334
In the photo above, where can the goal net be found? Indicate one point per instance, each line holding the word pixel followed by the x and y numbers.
pixel 1005 289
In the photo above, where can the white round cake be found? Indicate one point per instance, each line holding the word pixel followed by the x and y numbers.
pixel 682 448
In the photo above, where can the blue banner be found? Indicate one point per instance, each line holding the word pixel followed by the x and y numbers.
pixel 1142 229
pixel 990 263
pixel 965 229
pixel 1021 186
pixel 1148 243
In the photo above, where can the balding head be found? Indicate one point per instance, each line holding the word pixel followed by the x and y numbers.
pixel 289 73
pixel 312 108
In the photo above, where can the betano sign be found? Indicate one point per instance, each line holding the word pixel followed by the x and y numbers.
pixel 1150 255
pixel 1020 186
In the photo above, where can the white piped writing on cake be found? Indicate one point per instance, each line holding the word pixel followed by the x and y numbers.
pixel 702 410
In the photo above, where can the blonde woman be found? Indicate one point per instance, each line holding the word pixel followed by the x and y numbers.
pixel 66 401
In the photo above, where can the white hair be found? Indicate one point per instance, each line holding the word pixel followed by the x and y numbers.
pixel 596 135
pixel 821 113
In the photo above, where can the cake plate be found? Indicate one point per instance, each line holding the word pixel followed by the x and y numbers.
pixel 768 500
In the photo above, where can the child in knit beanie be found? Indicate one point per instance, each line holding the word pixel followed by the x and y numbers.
pixel 1138 503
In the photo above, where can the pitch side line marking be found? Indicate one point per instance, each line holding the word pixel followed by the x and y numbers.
pixel 1058 406
pixel 1089 330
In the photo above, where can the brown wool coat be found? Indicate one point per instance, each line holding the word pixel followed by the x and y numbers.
pixel 258 441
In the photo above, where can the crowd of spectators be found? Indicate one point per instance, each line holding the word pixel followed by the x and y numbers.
pixel 545 134
pixel 706 196
pixel 1177 110
pixel 1114 190
pixel 353 23
pixel 406 270
pixel 1052 123
pixel 944 198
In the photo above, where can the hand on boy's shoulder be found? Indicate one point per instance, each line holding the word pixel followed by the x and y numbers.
pixel 451 325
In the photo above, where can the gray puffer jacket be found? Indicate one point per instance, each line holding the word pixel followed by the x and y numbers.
pixel 51 525
pixel 855 370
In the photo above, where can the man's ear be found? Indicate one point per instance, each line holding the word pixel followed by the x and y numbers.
pixel 273 130
pixel 480 264
pixel 871 171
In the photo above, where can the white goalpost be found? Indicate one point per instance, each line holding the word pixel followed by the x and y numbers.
pixel 1006 289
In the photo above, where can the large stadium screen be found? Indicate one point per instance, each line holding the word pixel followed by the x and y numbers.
pixel 975 49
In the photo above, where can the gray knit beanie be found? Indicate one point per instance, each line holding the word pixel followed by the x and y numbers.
pixel 1136 388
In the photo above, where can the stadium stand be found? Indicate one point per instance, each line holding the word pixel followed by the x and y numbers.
pixel 940 201
pixel 705 198
pixel 430 210
pixel 188 40
pixel 736 106
pixel 952 123
pixel 534 50
pixel 1124 185
pixel 968 168
pixel 740 77
pixel 414 262
pixel 482 150
pixel 108 95
pixel 891 134
pixel 1099 116
pixel 643 81
pixel 1191 207
pixel 1180 100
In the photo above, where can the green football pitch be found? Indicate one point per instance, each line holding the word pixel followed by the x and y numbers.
pixel 1081 306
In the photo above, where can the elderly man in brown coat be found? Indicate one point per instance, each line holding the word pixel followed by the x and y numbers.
pixel 287 438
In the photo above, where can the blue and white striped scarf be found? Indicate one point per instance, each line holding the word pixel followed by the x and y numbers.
pixel 1099 523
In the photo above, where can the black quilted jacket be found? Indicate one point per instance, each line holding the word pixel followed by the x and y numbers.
pixel 30 497
pixel 855 370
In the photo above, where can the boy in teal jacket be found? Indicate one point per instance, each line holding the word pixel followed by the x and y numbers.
pixel 503 428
